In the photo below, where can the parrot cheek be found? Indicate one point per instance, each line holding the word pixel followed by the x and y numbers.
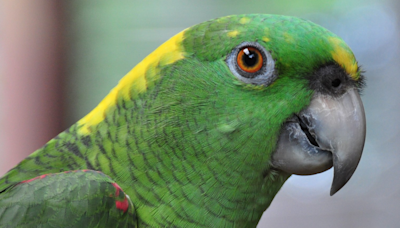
pixel 329 132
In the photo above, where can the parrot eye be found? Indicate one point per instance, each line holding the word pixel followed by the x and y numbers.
pixel 249 59
pixel 252 64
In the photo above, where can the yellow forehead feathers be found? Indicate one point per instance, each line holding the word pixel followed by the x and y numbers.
pixel 266 39
pixel 344 57
pixel 233 33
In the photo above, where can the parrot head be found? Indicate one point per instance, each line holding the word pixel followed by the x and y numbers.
pixel 285 77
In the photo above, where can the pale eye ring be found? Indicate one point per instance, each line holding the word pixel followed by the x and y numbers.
pixel 252 64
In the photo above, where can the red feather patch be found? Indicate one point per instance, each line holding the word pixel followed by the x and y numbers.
pixel 121 205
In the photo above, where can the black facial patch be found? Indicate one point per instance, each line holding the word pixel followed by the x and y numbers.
pixel 331 79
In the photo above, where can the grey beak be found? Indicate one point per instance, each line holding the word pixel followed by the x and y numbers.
pixel 329 132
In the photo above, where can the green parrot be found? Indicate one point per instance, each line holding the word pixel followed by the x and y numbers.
pixel 202 133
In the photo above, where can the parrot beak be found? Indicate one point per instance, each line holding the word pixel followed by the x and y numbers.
pixel 329 132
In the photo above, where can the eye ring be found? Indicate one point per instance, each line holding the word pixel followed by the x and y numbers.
pixel 252 63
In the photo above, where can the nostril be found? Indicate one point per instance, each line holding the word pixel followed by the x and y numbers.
pixel 336 82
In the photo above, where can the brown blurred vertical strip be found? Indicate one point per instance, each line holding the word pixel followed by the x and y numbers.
pixel 31 77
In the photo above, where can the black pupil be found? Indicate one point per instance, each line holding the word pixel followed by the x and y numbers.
pixel 250 58
pixel 336 83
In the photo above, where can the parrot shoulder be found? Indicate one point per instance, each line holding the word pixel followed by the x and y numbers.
pixel 80 198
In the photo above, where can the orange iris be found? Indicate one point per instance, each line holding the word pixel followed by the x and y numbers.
pixel 249 59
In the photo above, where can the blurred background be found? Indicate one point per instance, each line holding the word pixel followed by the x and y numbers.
pixel 58 59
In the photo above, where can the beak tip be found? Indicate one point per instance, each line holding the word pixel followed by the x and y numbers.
pixel 341 177
pixel 334 190
pixel 336 186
